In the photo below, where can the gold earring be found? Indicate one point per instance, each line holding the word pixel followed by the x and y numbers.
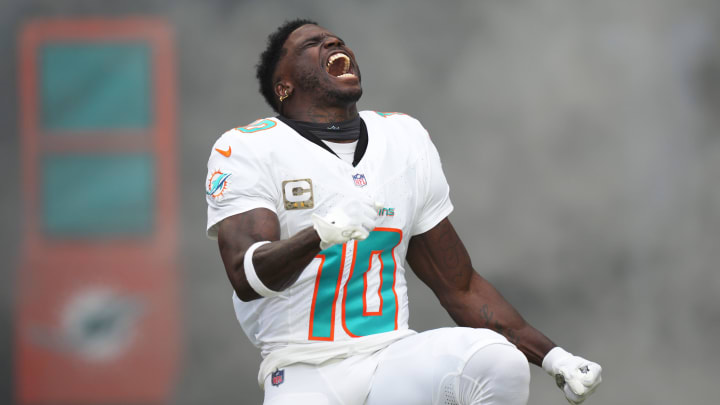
pixel 284 96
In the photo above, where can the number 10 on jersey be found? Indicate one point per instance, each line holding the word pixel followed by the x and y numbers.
pixel 371 259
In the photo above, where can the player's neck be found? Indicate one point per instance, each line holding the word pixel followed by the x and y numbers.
pixel 316 114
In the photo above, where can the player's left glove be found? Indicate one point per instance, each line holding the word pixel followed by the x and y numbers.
pixel 576 376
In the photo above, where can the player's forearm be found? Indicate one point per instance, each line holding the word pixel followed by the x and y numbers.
pixel 276 264
pixel 279 264
pixel 482 306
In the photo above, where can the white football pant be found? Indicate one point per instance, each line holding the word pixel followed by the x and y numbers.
pixel 448 366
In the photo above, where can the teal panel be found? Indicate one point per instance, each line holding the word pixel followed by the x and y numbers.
pixel 98 195
pixel 95 86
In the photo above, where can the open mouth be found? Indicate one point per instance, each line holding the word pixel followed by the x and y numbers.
pixel 338 65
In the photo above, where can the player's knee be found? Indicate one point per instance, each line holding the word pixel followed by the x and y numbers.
pixel 512 366
pixel 496 374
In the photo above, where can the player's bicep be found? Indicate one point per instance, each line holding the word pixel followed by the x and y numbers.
pixel 439 258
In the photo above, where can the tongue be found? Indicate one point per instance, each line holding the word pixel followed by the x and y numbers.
pixel 337 68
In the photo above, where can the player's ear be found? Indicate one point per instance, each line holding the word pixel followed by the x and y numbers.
pixel 283 90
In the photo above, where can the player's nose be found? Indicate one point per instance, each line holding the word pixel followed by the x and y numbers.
pixel 332 42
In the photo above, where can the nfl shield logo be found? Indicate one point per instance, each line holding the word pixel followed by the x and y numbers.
pixel 278 376
pixel 359 180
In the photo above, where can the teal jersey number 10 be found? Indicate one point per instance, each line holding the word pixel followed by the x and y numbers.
pixel 357 319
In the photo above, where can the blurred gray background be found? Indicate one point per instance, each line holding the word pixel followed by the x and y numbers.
pixel 581 141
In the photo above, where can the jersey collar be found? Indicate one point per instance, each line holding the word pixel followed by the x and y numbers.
pixel 359 150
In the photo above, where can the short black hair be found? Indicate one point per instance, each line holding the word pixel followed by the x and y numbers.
pixel 270 57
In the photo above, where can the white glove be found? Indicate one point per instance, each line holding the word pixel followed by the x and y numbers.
pixel 353 219
pixel 576 376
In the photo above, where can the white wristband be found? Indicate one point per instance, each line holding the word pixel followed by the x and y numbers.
pixel 252 277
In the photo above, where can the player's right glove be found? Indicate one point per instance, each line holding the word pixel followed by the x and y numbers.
pixel 353 219
pixel 576 376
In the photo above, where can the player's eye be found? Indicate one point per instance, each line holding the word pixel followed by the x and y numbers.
pixel 311 42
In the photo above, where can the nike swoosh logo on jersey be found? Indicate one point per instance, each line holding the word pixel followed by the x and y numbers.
pixel 225 153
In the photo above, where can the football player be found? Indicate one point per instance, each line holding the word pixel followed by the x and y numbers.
pixel 318 211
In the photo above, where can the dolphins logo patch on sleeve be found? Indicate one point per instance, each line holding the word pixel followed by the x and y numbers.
pixel 217 183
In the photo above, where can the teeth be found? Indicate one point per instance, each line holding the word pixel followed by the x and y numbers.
pixel 337 56
pixel 346 75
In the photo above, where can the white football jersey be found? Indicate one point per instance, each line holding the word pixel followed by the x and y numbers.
pixel 348 293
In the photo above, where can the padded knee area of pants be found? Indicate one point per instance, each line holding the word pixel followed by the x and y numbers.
pixel 495 374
